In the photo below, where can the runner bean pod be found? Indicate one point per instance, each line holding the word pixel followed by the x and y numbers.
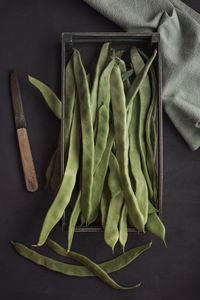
pixel 111 233
pixel 63 196
pixel 87 135
pixel 110 266
pixel 119 115
pixel 144 102
pixel 101 63
pixel 123 230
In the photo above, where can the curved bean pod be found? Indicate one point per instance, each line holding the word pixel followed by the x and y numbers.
pixel 102 134
pixel 50 97
pixel 104 85
pixel 141 189
pixel 110 266
pixel 155 226
pixel 103 112
pixel 99 272
pixel 154 140
pixel 111 233
pixel 70 94
pixel 122 65
pixel 154 133
pixel 144 102
pixel 63 196
pixel 140 77
pixel 99 177
pixel 102 60
pixel 121 133
pixel 151 208
pixel 123 230
pixel 98 183
pixel 148 131
pixel 87 135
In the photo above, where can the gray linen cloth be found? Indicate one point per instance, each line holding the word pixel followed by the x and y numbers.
pixel 179 28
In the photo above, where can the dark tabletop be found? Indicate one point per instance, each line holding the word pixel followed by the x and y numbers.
pixel 30 35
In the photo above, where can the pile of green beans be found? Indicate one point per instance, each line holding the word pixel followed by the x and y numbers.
pixel 110 146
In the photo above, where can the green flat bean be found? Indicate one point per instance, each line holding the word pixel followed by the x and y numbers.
pixel 121 133
pixel 73 221
pixel 63 196
pixel 137 82
pixel 144 103
pixel 103 112
pixel 155 226
pixel 99 272
pixel 150 146
pixel 99 177
pixel 154 139
pixel 102 60
pixel 151 208
pixel 110 266
pixel 148 131
pixel 111 233
pixel 102 134
pixel 141 189
pixel 50 97
pixel 70 94
pixel 123 230
pixel 104 85
pixel 87 135
pixel 154 132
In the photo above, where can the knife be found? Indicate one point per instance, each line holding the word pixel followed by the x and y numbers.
pixel 24 146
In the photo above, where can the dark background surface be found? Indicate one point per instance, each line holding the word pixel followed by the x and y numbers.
pixel 30 35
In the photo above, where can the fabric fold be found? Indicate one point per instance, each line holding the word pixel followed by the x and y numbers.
pixel 179 28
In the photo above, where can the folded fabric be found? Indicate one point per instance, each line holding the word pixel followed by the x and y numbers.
pixel 179 28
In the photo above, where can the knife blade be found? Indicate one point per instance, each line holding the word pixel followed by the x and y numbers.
pixel 23 141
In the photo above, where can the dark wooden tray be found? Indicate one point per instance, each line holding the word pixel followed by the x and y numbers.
pixel 89 45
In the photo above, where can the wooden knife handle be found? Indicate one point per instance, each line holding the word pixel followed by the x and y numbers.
pixel 27 160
